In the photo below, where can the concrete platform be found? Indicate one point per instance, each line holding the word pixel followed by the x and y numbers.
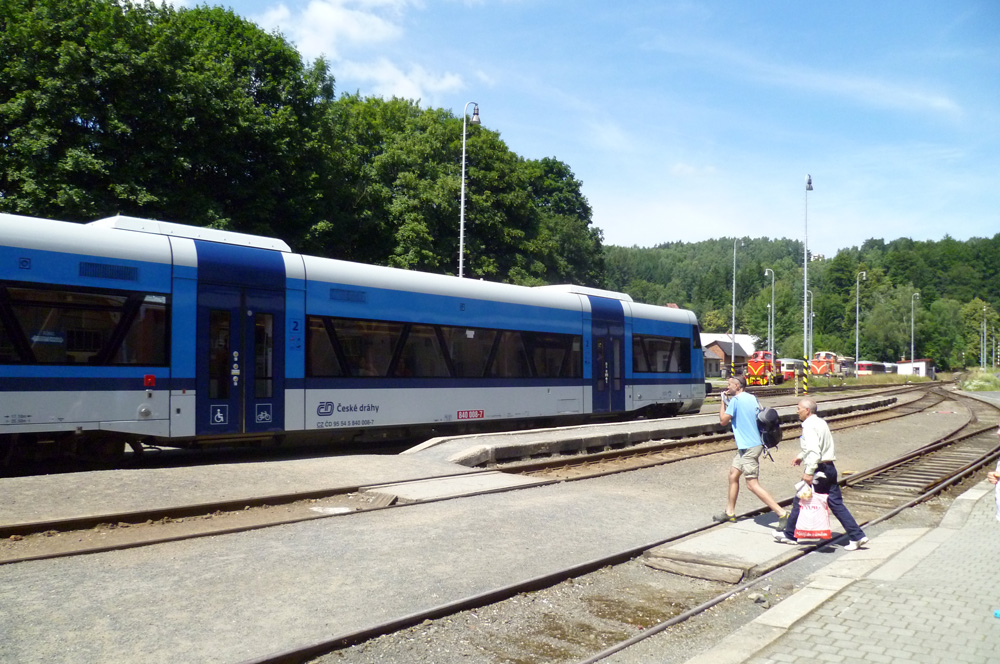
pixel 913 595
pixel 482 450
pixel 115 494
pixel 738 552
pixel 450 487
pixel 51 498
pixel 237 597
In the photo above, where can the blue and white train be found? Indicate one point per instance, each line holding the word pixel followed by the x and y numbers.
pixel 128 331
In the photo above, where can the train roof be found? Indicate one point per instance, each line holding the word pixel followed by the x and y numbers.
pixel 156 227
pixel 72 238
pixel 123 236
pixel 567 297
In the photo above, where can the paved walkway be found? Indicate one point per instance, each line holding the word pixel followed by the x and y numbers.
pixel 915 595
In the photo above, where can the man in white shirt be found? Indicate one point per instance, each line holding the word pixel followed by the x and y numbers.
pixel 817 456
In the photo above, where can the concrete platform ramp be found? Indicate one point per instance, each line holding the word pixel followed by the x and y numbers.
pixel 435 488
pixel 734 553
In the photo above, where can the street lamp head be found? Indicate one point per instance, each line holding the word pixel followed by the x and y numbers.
pixel 475 114
pixel 864 275
pixel 809 182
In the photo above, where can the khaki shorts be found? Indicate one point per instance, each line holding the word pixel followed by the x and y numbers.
pixel 748 461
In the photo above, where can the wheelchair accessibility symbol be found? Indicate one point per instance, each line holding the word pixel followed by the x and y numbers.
pixel 219 414
pixel 264 413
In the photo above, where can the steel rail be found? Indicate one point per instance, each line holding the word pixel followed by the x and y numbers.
pixel 201 509
pixel 310 651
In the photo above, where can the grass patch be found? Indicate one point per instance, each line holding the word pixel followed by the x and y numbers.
pixel 980 381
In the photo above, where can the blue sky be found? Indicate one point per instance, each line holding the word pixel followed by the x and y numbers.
pixel 693 120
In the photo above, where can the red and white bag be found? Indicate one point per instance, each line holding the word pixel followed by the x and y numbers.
pixel 814 518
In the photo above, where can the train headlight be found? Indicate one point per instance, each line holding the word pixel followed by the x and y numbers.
pixel 145 411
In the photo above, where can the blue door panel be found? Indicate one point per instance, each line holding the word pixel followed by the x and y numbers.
pixel 608 343
pixel 240 360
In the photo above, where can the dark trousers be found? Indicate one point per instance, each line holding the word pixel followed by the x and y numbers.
pixel 835 500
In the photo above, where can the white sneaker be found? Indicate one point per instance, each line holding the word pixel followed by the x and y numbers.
pixel 781 538
pixel 855 545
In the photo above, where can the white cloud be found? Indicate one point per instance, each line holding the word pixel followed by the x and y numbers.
pixel 388 80
pixel 324 27
pixel 339 30
pixel 862 90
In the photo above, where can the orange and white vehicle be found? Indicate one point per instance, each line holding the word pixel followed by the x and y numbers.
pixel 827 363
pixel 789 367
pixel 762 369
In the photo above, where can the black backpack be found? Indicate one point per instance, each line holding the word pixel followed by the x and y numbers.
pixel 769 425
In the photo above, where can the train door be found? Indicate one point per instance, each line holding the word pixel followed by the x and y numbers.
pixel 240 364
pixel 607 333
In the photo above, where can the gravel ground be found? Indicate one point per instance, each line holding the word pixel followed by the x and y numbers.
pixel 581 617
pixel 257 590
pixel 578 618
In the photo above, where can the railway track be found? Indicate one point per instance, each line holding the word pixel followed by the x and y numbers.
pixel 973 427
pixel 660 452
pixel 887 490
pixel 112 532
pixel 890 488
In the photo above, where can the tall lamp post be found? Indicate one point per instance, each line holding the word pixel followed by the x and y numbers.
pixel 770 316
pixel 857 316
pixel 461 209
pixel 805 285
pixel 769 330
pixel 812 315
pixel 732 354
pixel 915 296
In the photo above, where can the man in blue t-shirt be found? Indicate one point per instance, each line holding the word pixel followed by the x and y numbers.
pixel 739 408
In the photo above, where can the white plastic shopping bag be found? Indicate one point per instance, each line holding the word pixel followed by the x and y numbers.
pixel 814 518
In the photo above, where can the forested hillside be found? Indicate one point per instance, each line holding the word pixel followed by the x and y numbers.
pixel 955 281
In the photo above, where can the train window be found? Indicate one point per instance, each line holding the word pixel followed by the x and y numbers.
pixel 511 360
pixel 368 346
pixel 695 336
pixel 639 362
pixel 554 355
pixel 600 365
pixel 346 347
pixel 469 349
pixel 322 357
pixel 655 354
pixel 144 339
pixel 263 375
pixel 83 327
pixel 218 358
pixel 8 351
pixel 422 356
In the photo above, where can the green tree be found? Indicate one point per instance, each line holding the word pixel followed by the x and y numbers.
pixel 195 116
pixel 941 334
pixel 569 247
